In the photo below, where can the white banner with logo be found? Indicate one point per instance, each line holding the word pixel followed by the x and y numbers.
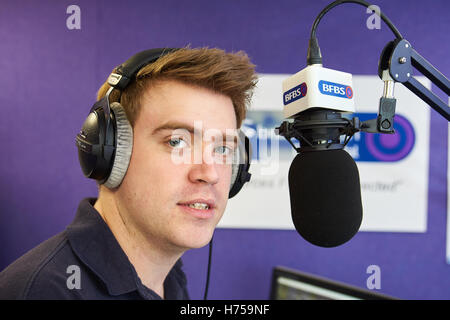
pixel 393 168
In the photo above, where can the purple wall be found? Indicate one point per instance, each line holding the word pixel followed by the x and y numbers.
pixel 50 76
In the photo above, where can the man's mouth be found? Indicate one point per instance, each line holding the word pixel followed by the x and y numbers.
pixel 199 205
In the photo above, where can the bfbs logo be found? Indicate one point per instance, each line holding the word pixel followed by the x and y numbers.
pixel 335 89
pixel 295 93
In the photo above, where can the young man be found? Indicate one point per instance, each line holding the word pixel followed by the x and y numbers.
pixel 127 244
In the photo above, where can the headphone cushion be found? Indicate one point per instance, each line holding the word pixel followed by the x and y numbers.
pixel 124 146
pixel 234 168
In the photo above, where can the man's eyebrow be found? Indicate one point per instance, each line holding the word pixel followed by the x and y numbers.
pixel 174 125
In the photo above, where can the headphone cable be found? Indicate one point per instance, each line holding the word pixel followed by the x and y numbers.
pixel 209 269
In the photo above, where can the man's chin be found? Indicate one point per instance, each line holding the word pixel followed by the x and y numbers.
pixel 201 245
pixel 195 242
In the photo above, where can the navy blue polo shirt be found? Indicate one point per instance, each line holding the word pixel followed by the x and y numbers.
pixel 85 261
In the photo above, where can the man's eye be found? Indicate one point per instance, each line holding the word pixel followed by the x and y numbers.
pixel 224 150
pixel 177 143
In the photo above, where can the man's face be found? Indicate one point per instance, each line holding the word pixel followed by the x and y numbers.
pixel 154 194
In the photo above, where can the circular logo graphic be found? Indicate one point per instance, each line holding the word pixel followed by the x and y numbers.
pixel 303 89
pixel 349 92
pixel 392 147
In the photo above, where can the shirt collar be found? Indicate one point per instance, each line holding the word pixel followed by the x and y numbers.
pixel 95 244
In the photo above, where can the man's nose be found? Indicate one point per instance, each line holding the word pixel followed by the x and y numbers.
pixel 205 170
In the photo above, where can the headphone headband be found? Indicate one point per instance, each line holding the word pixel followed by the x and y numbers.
pixel 126 72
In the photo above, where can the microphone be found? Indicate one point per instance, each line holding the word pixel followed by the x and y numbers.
pixel 324 182
pixel 324 185
pixel 325 197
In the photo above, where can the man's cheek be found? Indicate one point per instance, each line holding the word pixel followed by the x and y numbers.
pixel 227 170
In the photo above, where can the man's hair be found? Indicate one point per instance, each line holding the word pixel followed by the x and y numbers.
pixel 230 74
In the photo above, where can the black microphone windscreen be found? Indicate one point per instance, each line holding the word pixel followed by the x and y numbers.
pixel 325 195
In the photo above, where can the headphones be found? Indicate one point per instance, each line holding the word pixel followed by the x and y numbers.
pixel 105 141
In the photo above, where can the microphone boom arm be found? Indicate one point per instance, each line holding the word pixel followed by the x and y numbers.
pixel 396 65
pixel 399 57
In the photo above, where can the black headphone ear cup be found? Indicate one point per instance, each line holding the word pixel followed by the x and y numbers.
pixel 241 165
pixel 123 148
pixel 90 141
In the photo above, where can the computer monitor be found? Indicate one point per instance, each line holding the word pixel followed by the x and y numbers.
pixel 289 284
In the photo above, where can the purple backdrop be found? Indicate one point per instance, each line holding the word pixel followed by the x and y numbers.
pixel 50 76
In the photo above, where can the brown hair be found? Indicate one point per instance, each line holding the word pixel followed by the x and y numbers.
pixel 231 74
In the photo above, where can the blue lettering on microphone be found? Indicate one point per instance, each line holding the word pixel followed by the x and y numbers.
pixel 295 93
pixel 335 89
